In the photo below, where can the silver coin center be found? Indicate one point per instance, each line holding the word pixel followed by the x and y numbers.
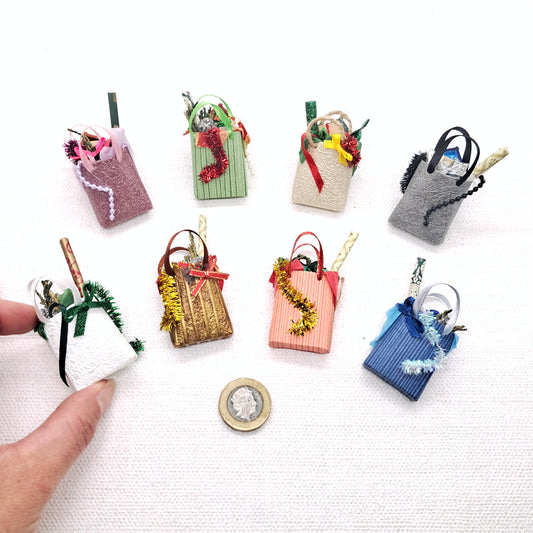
pixel 245 404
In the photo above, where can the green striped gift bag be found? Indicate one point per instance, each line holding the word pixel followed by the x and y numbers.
pixel 218 146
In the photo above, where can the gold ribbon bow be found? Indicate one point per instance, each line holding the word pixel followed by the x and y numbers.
pixel 335 143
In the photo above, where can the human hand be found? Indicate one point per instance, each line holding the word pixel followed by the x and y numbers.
pixel 32 467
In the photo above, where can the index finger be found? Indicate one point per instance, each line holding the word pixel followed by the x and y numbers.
pixel 16 318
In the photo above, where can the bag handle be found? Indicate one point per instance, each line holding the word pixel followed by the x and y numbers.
pixel 218 98
pixel 452 317
pixel 85 158
pixel 165 260
pixel 110 132
pixel 442 146
pixel 222 116
pixel 329 116
pixel 343 115
pixel 465 134
pixel 319 252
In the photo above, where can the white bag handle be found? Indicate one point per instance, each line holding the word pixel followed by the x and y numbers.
pixel 452 317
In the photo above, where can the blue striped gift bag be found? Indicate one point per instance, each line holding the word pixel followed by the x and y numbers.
pixel 412 345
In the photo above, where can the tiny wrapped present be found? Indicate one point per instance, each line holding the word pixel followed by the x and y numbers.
pixel 103 163
pixel 414 342
pixel 191 290
pixel 305 298
pixel 435 184
pixel 329 155
pixel 83 327
pixel 218 146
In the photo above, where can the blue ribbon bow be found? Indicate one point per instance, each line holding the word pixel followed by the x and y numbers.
pixel 414 325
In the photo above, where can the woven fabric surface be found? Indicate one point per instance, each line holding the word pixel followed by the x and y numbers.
pixel 342 451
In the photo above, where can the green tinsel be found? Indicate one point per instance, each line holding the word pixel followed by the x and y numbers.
pixel 39 328
pixel 103 295
pixel 137 345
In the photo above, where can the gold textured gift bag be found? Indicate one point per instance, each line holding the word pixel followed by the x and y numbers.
pixel 195 310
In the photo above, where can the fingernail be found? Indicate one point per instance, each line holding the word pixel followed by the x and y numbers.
pixel 104 397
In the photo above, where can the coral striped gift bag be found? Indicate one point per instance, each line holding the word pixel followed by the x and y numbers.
pixel 304 301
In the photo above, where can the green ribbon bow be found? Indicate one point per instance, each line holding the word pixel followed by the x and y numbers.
pixel 80 311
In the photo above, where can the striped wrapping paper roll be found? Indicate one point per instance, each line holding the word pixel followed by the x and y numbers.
pixel 397 345
pixel 231 184
pixel 317 291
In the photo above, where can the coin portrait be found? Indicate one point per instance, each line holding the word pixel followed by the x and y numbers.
pixel 244 404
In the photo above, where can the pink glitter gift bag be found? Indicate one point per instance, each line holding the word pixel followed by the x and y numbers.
pixel 105 167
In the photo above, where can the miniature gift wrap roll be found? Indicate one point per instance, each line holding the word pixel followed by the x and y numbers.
pixel 191 290
pixel 218 145
pixel 82 326
pixel 414 342
pixel 103 163
pixel 434 186
pixel 329 155
pixel 305 298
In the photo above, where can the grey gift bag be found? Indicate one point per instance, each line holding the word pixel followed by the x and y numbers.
pixel 433 194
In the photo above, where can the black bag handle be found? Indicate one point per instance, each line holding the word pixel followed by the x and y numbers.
pixel 465 134
pixel 442 146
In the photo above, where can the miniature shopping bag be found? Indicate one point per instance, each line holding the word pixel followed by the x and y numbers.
pixel 83 327
pixel 191 290
pixel 305 298
pixel 329 155
pixel 103 163
pixel 434 186
pixel 414 342
pixel 218 145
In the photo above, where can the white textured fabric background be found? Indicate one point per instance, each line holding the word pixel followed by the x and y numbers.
pixel 342 451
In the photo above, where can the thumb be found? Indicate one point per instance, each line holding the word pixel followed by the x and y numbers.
pixel 53 447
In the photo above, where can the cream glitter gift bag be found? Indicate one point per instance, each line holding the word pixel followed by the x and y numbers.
pixel 329 156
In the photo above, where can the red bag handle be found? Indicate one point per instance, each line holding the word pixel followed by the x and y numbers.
pixel 319 252
pixel 165 260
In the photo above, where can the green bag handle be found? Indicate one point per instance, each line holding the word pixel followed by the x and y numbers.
pixel 218 97
pixel 218 111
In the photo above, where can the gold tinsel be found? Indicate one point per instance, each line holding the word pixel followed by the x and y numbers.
pixel 297 299
pixel 171 300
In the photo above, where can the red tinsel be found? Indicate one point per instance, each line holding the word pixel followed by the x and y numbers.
pixel 350 145
pixel 216 169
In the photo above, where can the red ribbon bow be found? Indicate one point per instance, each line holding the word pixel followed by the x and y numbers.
pixel 210 273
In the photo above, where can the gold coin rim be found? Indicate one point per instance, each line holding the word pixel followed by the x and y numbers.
pixel 238 424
